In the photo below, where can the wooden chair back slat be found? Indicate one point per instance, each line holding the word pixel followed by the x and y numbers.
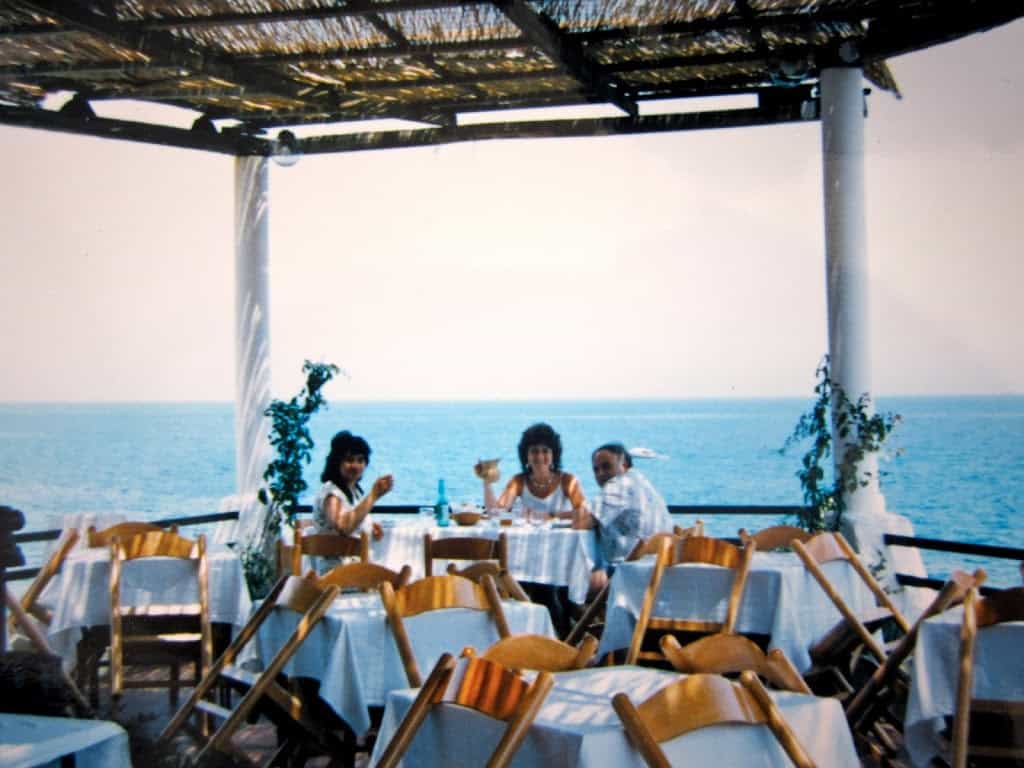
pixel 697 529
pixel 723 654
pixel 464 548
pixel 775 537
pixel 541 653
pixel 103 538
pixel 364 577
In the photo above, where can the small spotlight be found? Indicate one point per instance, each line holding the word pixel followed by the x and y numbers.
pixel 285 149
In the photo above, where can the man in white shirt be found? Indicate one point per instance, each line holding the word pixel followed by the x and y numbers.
pixel 629 509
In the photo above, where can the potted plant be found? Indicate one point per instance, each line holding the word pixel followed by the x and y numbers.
pixel 290 438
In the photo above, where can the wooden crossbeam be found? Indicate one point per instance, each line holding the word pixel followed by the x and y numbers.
pixel 895 34
pixel 224 142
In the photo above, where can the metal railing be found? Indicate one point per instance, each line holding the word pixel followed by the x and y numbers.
pixel 956 547
pixel 702 511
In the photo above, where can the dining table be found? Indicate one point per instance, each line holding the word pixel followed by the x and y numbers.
pixel 550 553
pixel 79 595
pixel 352 651
pixel 578 728
pixel 998 675
pixel 781 600
pixel 33 740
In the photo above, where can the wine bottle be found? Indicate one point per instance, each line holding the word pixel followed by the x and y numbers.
pixel 441 505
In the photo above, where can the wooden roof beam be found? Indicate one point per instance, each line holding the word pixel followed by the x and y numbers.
pixel 166 49
pixel 546 36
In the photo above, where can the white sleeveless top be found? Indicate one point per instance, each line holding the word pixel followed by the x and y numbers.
pixel 320 522
pixel 554 502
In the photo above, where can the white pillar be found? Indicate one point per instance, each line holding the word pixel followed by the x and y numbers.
pixel 846 254
pixel 846 258
pixel 252 339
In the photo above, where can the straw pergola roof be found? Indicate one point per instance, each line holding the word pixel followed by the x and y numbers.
pixel 252 66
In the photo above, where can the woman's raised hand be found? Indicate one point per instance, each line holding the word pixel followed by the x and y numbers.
pixel 487 470
pixel 383 485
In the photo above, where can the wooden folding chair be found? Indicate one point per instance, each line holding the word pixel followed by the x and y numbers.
pixel 296 727
pixel 464 548
pixel 481 684
pixel 364 577
pixel 986 729
pixel 508 587
pixel 328 545
pixel 837 654
pixel 158 635
pixel 721 654
pixel 541 653
pixel 30 596
pixel 591 618
pixel 775 537
pixel 697 529
pixel 697 549
pixel 431 594
pixel 882 696
pixel 700 700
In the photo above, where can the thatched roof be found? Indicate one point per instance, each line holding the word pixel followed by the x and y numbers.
pixel 251 66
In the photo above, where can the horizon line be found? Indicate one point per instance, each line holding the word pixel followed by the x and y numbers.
pixel 579 399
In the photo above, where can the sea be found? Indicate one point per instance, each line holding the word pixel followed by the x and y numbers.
pixel 954 465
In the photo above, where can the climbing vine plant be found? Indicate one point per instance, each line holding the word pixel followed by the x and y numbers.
pixel 860 431
pixel 293 444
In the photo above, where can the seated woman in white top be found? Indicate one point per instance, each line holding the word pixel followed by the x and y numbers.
pixel 340 505
pixel 542 485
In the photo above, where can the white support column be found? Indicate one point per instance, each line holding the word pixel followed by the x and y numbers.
pixel 252 339
pixel 846 253
pixel 846 258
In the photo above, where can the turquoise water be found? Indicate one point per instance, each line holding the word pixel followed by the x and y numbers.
pixel 958 472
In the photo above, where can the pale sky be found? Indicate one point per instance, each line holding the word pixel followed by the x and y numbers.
pixel 673 265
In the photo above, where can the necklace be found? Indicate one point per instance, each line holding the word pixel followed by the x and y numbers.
pixel 542 488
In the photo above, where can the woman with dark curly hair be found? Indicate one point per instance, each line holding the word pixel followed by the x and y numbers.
pixel 542 485
pixel 340 505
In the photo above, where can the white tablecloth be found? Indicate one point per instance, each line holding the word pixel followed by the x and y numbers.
pixel 30 740
pixel 80 594
pixel 559 555
pixel 998 674
pixel 353 654
pixel 577 728
pixel 781 599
